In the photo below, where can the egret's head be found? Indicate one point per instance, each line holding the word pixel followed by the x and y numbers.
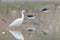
pixel 23 11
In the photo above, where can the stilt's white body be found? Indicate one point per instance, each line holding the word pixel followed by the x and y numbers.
pixel 18 21
pixel 18 35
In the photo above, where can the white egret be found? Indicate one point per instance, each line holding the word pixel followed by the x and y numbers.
pixel 18 21
pixel 18 35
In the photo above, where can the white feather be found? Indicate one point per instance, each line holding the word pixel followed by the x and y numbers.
pixel 18 21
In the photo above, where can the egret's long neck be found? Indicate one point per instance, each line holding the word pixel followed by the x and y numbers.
pixel 22 15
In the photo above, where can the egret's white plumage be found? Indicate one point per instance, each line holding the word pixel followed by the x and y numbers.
pixel 18 35
pixel 18 21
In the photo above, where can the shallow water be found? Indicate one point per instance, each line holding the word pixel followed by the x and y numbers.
pixel 43 21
